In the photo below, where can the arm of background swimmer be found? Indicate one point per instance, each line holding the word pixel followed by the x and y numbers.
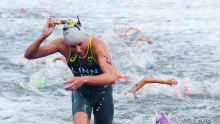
pixel 131 28
pixel 106 64
pixel 144 81
pixel 140 39
pixel 50 13
pixel 60 58
pixel 35 51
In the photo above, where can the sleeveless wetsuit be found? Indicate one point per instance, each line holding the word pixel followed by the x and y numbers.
pixel 87 97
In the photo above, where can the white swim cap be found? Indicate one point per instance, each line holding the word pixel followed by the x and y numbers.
pixel 73 33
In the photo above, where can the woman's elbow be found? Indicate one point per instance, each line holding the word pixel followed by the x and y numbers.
pixel 112 79
pixel 28 56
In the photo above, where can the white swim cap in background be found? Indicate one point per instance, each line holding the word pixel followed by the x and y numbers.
pixel 73 33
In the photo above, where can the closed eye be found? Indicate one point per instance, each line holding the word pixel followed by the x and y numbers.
pixel 73 46
pixel 80 44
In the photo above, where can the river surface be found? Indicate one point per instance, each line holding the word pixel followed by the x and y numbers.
pixel 186 47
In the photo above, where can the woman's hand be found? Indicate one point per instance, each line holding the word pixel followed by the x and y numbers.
pixel 49 26
pixel 75 83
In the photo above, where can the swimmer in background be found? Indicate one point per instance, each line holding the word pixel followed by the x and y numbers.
pixel 144 81
pixel 162 119
pixel 124 34
pixel 49 12
pixel 189 92
pixel 54 60
pixel 140 39
pixel 60 58
pixel 18 15
pixel 23 10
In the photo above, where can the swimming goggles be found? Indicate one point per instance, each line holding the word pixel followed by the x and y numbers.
pixel 68 21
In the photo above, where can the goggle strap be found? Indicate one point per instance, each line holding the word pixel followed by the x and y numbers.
pixel 78 22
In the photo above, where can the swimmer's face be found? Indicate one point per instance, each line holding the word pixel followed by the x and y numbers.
pixel 79 47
